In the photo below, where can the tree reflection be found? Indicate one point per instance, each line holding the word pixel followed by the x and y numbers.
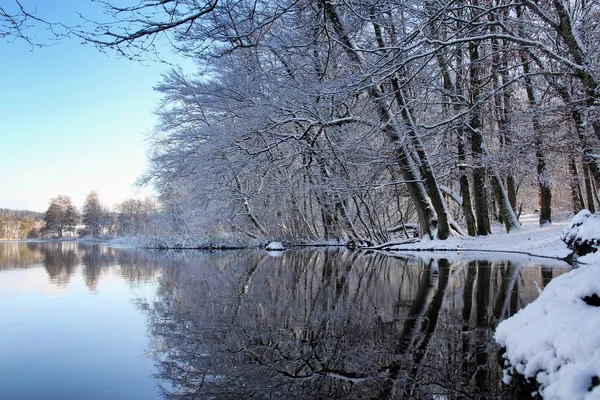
pixel 331 324
pixel 312 323
pixel 63 259
pixel 60 260
pixel 13 256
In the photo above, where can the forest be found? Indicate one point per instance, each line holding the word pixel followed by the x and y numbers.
pixel 359 119
pixel 364 120
pixel 17 224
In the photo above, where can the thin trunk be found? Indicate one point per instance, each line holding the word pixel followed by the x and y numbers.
pixel 430 180
pixel 576 194
pixel 503 107
pixel 465 192
pixel 545 189
pixel 248 209
pixel 511 183
pixel 454 92
pixel 543 175
pixel 477 146
pixel 590 158
pixel 509 218
pixel 588 189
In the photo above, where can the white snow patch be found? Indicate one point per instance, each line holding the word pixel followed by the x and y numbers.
pixel 275 246
pixel 583 229
pixel 556 340
pixel 532 239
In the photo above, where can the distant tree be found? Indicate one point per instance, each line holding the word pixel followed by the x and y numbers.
pixel 62 216
pixel 134 216
pixel 16 224
pixel 95 215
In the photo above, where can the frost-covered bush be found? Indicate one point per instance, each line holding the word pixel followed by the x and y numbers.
pixel 583 233
pixel 214 240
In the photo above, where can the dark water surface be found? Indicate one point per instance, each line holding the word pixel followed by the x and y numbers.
pixel 93 322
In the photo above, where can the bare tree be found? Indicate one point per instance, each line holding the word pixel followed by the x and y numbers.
pixel 95 216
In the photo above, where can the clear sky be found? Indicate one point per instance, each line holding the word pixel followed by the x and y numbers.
pixel 72 119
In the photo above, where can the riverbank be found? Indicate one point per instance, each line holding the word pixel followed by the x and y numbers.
pixel 531 240
pixel 551 348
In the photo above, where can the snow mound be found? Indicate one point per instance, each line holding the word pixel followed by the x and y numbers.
pixel 583 233
pixel 555 340
pixel 275 246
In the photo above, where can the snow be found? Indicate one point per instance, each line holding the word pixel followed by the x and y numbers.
pixel 531 240
pixel 555 339
pixel 583 236
pixel 275 246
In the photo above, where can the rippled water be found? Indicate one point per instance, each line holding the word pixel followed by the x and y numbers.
pixel 94 322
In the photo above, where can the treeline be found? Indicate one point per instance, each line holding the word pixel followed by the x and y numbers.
pixel 64 219
pixel 23 214
pixel 131 217
pixel 18 224
pixel 346 120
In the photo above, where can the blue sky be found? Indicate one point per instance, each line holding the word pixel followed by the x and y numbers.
pixel 72 119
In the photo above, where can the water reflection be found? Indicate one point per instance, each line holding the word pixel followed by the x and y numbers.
pixel 70 324
pixel 333 324
pixel 309 324
pixel 62 259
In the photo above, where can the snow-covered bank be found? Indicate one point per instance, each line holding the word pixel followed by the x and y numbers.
pixel 552 346
pixel 193 241
pixel 555 340
pixel 531 239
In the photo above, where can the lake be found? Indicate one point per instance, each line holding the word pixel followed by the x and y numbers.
pixel 84 321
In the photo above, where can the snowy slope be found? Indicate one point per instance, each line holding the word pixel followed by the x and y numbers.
pixel 556 339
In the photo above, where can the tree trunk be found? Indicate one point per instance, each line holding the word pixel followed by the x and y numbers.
pixel 543 175
pixel 545 190
pixel 465 192
pixel 509 218
pixel 503 107
pixel 576 194
pixel 454 92
pixel 430 180
pixel 589 188
pixel 425 168
pixel 477 147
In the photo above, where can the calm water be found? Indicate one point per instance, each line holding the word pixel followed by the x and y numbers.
pixel 93 322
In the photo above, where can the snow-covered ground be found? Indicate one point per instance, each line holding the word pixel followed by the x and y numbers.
pixel 555 340
pixel 531 239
